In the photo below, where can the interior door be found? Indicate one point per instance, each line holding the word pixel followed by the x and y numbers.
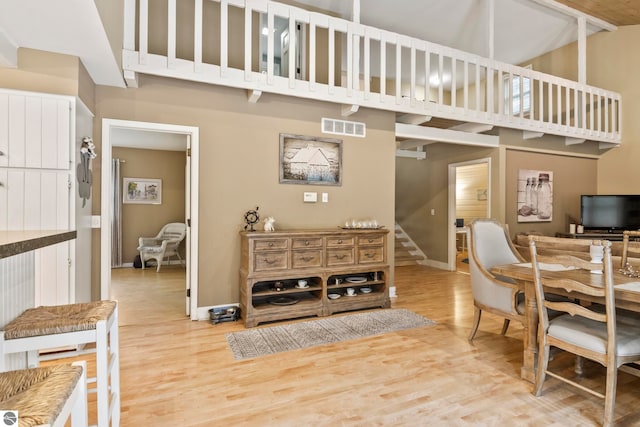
pixel 187 215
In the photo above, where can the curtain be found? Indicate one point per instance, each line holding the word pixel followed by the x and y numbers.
pixel 116 215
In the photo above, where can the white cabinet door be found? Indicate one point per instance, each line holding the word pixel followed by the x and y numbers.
pixel 35 131
pixel 35 175
pixel 52 275
pixel 4 129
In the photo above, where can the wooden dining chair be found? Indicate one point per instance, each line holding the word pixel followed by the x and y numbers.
pixel 587 332
pixel 626 237
pixel 489 245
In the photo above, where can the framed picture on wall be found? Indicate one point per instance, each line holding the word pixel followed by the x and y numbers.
pixel 310 160
pixel 142 190
pixel 535 196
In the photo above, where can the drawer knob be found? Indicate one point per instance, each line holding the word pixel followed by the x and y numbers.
pixel 339 241
pixel 269 261
pixel 368 255
pixel 270 244
pixel 370 240
pixel 306 258
pixel 306 242
pixel 340 256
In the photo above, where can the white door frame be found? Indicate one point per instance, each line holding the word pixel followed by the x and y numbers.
pixel 105 226
pixel 451 217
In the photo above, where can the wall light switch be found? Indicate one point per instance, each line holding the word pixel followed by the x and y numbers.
pixel 325 197
pixel 310 197
pixel 433 211
pixel 95 221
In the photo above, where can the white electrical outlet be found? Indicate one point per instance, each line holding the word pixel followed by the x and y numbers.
pixel 325 197
pixel 433 211
pixel 310 197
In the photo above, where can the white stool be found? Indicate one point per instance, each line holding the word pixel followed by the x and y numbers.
pixel 50 327
pixel 46 396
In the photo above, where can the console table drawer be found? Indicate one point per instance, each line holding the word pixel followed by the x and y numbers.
pixel 372 254
pixel 312 242
pixel 371 240
pixel 270 260
pixel 340 241
pixel 264 244
pixel 304 259
pixel 340 257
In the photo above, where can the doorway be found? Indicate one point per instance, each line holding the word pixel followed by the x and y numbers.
pixel 469 198
pixel 110 128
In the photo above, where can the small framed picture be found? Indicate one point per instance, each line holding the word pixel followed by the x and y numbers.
pixel 142 191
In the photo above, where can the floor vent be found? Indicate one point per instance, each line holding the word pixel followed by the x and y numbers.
pixel 343 127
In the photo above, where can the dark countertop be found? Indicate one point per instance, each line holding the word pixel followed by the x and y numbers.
pixel 17 242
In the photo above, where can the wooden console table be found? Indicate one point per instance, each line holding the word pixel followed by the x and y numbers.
pixel 329 260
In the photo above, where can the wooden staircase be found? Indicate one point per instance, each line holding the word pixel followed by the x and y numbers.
pixel 406 253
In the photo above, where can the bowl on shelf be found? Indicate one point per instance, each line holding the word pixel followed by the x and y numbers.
pixel 333 296
pixel 365 290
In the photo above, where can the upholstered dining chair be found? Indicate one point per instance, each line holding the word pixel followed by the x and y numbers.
pixel 164 245
pixel 585 331
pixel 489 245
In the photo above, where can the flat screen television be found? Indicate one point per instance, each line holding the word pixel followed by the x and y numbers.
pixel 610 213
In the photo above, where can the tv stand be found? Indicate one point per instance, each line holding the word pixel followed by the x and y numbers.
pixel 612 235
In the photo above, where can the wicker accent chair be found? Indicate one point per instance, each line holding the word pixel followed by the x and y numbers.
pixel 72 325
pixel 489 245
pixel 589 332
pixel 45 396
pixel 164 245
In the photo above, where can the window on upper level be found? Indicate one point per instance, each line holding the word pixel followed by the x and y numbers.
pixel 521 88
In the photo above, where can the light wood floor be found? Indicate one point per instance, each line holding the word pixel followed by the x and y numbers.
pixel 178 372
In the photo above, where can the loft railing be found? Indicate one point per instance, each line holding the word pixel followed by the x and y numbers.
pixel 335 60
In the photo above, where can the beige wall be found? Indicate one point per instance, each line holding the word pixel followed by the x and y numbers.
pixel 143 219
pixel 613 60
pixel 239 146
pixel 572 176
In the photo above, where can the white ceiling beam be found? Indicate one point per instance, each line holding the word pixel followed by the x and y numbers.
pixel 551 4
pixel 472 127
pixel 573 141
pixel 445 135
pixel 253 95
pixel 607 145
pixel 418 155
pixel 529 134
pixel 412 143
pixel 349 109
pixel 8 51
pixel 356 11
pixel 130 78
pixel 582 50
pixel 492 25
pixel 413 119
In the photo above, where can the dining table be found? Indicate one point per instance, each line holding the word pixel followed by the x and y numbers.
pixel 627 293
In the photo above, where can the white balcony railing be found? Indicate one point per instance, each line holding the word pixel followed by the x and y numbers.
pixel 218 42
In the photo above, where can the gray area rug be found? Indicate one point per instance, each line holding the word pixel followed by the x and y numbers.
pixel 263 341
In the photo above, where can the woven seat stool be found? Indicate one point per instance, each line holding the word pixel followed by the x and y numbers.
pixel 45 396
pixel 72 325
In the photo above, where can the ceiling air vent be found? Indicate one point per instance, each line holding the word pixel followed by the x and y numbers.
pixel 343 127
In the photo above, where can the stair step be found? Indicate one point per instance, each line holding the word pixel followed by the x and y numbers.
pixel 401 239
pixel 408 257
pixel 404 263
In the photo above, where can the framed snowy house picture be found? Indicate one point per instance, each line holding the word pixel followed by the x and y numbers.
pixel 310 160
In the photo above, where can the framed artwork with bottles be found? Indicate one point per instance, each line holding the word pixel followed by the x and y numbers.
pixel 535 196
